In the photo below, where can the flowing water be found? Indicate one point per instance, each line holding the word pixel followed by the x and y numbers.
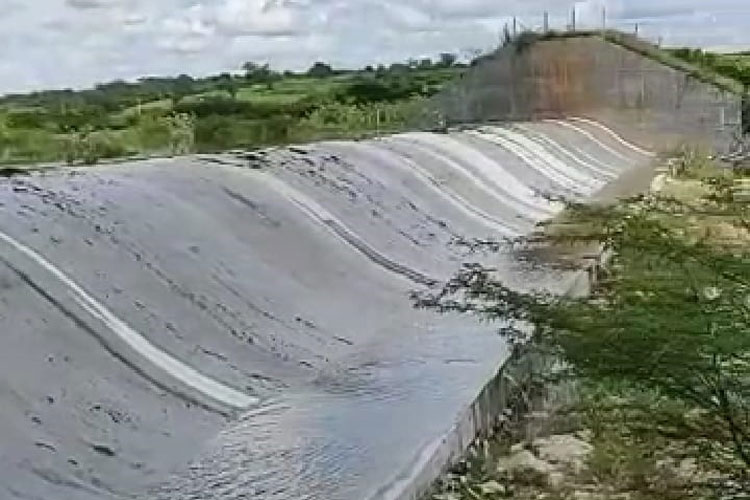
pixel 239 325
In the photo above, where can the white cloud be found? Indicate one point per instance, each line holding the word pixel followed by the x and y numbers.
pixel 86 4
pixel 54 43
pixel 591 13
pixel 96 4
pixel 258 18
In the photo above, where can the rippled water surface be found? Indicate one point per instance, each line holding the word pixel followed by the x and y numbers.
pixel 283 275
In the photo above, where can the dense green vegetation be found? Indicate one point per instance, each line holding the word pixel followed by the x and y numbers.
pixel 178 115
pixel 260 106
pixel 735 66
pixel 667 323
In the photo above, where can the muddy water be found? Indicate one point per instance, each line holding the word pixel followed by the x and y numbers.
pixel 238 326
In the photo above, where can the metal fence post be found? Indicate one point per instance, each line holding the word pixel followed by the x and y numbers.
pixel 573 20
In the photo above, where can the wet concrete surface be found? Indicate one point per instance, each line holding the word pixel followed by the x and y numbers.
pixel 238 326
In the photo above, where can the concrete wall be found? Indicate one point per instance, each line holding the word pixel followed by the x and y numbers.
pixel 652 104
pixel 480 419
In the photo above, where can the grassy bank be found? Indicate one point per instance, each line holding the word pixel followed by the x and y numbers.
pixel 733 66
pixel 659 353
pixel 262 107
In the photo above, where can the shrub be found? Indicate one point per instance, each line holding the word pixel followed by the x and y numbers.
pixel 670 314
pixel 91 146
pixel 216 133
pixel 181 132
pixel 28 145
pixel 26 119
pixel 152 133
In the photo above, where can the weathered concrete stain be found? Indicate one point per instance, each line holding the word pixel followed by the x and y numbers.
pixel 657 106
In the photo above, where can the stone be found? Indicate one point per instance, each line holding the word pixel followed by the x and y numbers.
pixel 492 488
pixel 564 450
pixel 556 480
pixel 525 468
pixel 103 449
pixel 687 469
pixel 583 495
pixel 446 496
pixel 585 435
pixel 518 448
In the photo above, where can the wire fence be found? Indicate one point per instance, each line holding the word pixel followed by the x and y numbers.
pixel 619 77
pixel 545 23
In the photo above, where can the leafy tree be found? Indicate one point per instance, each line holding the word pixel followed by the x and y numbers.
pixel 181 128
pixel 26 119
pixel 398 69
pixel 183 86
pixel 671 312
pixel 447 59
pixel 250 68
pixel 320 70
pixel 226 83
pixel 259 73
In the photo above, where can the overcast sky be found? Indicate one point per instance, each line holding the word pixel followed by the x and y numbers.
pixel 61 43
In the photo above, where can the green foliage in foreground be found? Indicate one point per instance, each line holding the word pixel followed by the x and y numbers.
pixel 670 315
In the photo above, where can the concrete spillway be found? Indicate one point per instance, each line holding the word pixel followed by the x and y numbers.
pixel 239 327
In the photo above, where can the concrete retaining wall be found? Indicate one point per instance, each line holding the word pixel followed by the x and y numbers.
pixel 480 418
pixel 654 105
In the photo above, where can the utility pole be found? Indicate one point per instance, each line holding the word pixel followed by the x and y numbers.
pixel 515 26
pixel 546 21
pixel 573 20
pixel 604 18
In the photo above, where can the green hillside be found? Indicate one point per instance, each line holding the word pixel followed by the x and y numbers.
pixel 184 114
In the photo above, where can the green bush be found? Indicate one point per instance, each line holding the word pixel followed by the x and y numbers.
pixel 216 105
pixel 181 133
pixel 27 145
pixel 216 133
pixel 179 115
pixel 669 314
pixel 26 119
pixel 91 146
pixel 222 106
pixel 152 133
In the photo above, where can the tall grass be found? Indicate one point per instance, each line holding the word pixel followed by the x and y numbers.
pixel 156 132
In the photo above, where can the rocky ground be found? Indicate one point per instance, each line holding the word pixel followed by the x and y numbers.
pixel 598 443
pixel 584 457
